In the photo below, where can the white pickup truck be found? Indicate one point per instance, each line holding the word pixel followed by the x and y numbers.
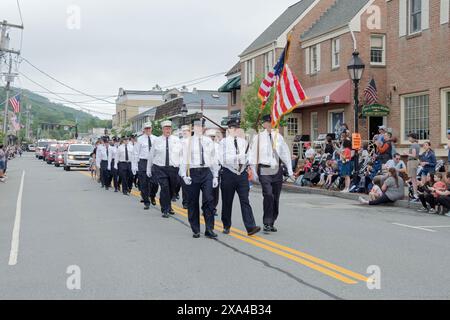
pixel 77 155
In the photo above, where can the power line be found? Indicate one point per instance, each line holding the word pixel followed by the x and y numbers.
pixel 67 101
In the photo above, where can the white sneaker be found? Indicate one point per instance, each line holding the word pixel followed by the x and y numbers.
pixel 345 191
pixel 363 201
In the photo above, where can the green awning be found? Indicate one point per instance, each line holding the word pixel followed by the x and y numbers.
pixel 231 84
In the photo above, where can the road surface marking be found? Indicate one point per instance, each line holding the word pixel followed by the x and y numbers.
pixel 16 230
pixel 413 227
pixel 432 227
pixel 337 272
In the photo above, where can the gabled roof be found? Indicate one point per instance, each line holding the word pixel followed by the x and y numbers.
pixel 337 16
pixel 279 26
pixel 236 69
pixel 210 98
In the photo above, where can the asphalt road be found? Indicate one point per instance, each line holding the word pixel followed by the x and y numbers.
pixel 324 249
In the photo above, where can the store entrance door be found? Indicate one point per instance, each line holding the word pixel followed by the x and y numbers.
pixel 374 124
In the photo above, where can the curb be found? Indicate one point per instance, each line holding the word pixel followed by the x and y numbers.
pixel 289 187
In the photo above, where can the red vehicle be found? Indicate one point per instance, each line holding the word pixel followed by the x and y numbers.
pixel 59 157
pixel 50 153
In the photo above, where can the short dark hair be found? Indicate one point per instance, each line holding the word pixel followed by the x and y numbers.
pixel 347 144
pixel 413 135
pixel 397 155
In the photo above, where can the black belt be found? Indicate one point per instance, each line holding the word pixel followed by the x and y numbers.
pixel 199 169
pixel 143 160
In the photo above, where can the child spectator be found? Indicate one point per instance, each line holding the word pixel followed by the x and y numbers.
pixel 346 167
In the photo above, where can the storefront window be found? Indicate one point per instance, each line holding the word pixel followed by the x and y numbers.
pixel 292 126
pixel 416 109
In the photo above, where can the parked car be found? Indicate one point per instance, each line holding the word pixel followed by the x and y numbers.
pixel 31 148
pixel 77 155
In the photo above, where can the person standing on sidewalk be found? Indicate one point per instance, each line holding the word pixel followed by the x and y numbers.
pixel 2 163
pixel 268 153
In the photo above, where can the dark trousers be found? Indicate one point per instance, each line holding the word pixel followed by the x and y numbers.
pixel 271 187
pixel 184 194
pixel 147 186
pixel 167 178
pixel 124 172
pixel 216 194
pixel 444 201
pixel 201 181
pixel 114 176
pixel 381 200
pixel 131 177
pixel 104 174
pixel 232 183
pixel 428 198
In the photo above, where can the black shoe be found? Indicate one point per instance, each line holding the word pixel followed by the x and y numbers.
pixel 196 235
pixel 254 231
pixel 211 235
pixel 116 190
pixel 107 188
pixel 142 201
pixel 226 230
pixel 174 199
pixel 273 229
pixel 126 194
pixel 267 228
pixel 165 215
pixel 171 212
pixel 147 207
pixel 153 201
pixel 185 206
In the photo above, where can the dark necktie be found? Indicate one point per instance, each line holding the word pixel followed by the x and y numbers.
pixel 237 152
pixel 107 153
pixel 126 153
pixel 167 152
pixel 202 161
pixel 149 143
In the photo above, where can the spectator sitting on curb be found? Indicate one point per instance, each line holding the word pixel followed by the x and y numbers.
pixel 393 190
pixel 376 192
pixel 430 195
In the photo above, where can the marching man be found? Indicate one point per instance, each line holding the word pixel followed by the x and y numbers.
pixel 147 185
pixel 268 152
pixel 102 162
pixel 113 174
pixel 233 158
pixel 122 165
pixel 199 171
pixel 163 165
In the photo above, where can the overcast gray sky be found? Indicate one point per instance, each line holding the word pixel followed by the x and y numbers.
pixel 134 44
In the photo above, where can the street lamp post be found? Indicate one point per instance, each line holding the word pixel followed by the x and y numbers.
pixel 356 68
pixel 184 112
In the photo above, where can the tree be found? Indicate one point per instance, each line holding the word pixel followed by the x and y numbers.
pixel 252 106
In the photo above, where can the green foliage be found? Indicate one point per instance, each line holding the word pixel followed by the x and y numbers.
pixel 157 130
pixel 252 106
pixel 44 111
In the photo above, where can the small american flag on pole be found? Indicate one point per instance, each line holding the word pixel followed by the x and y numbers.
pixel 15 103
pixel 371 94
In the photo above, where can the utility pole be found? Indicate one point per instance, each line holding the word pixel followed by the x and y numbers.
pixel 4 48
pixel 27 126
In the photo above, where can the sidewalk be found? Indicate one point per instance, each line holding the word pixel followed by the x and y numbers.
pixel 290 187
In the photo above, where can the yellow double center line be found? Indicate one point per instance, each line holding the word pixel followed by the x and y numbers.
pixel 317 264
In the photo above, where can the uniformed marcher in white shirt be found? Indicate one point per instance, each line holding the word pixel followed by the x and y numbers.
pixel 199 171
pixel 233 157
pixel 213 135
pixel 102 162
pixel 163 164
pixel 123 165
pixel 273 151
pixel 147 185
pixel 113 174
pixel 186 133
pixel 134 180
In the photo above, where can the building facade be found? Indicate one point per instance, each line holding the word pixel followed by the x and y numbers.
pixel 233 88
pixel 418 70
pixel 131 103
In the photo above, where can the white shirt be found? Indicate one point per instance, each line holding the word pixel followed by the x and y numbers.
pixel 310 153
pixel 234 160
pixel 191 154
pixel 157 155
pixel 101 155
pixel 270 152
pixel 121 154
pixel 111 155
pixel 141 148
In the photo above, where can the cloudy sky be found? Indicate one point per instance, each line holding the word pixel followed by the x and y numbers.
pixel 133 44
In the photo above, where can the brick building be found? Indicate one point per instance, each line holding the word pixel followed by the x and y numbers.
pixel 418 69
pixel 233 88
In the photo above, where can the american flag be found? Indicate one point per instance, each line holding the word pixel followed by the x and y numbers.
pixel 266 87
pixel 289 94
pixel 15 103
pixel 371 94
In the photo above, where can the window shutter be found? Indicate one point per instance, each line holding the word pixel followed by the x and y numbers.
pixel 402 20
pixel 307 60
pixel 425 14
pixel 318 57
pixel 445 11
pixel 246 72
pixel 253 71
